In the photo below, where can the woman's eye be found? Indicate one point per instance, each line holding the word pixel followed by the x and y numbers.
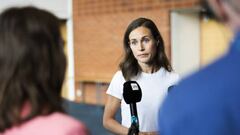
pixel 146 40
pixel 133 42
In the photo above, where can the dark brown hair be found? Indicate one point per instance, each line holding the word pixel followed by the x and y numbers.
pixel 32 64
pixel 129 65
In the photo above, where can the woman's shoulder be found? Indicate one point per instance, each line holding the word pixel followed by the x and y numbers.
pixel 118 75
pixel 172 75
pixel 175 75
pixel 69 123
pixel 60 118
pixel 55 123
pixel 169 73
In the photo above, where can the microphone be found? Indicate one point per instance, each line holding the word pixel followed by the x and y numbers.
pixel 132 94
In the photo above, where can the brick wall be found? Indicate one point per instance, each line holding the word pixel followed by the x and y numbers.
pixel 99 26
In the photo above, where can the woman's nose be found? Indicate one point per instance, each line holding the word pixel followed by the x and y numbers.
pixel 140 46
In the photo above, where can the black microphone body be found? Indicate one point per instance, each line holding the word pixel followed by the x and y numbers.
pixel 133 109
pixel 132 94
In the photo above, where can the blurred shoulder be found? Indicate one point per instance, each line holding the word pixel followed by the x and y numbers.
pixel 53 124
pixel 64 118
pixel 71 125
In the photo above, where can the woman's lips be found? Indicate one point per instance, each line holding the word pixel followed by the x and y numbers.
pixel 142 55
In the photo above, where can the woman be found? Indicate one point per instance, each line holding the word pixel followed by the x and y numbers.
pixel 32 70
pixel 145 62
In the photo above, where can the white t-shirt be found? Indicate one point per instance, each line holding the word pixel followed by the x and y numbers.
pixel 154 89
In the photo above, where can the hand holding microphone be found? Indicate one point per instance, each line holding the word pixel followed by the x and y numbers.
pixel 132 94
pixel 133 130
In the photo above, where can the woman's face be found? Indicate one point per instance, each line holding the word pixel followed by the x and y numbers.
pixel 143 45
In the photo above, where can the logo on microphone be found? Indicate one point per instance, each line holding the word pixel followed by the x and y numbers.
pixel 134 86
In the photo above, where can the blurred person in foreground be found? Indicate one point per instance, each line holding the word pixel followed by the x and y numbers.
pixel 208 102
pixel 32 70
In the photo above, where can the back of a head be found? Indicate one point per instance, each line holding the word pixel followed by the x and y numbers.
pixel 234 4
pixel 32 64
pixel 209 9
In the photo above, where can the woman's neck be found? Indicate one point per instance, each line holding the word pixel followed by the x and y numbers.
pixel 147 68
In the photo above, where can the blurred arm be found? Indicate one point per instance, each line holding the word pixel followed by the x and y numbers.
pixel 109 121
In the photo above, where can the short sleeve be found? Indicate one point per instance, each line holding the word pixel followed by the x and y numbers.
pixel 174 79
pixel 116 86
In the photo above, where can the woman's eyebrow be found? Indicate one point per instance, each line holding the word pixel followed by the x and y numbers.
pixel 146 36
pixel 141 37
